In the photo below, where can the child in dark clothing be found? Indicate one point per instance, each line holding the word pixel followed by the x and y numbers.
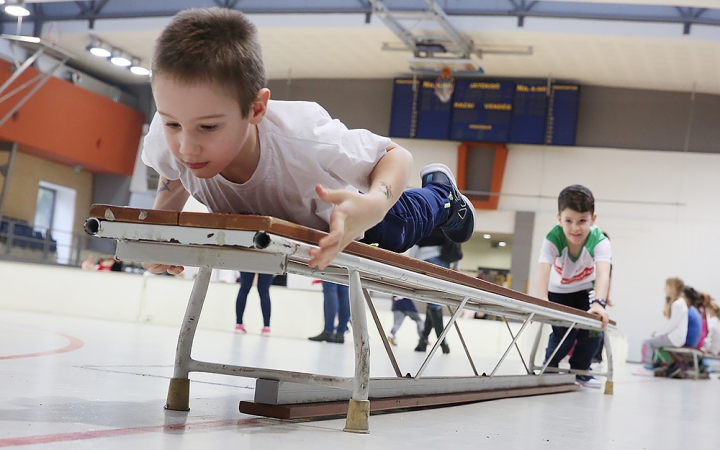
pixel 404 307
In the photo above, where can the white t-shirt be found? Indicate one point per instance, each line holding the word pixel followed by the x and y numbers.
pixel 569 275
pixel 712 340
pixel 676 327
pixel 300 146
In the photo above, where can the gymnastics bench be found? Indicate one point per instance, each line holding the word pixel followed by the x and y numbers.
pixel 268 245
pixel 693 355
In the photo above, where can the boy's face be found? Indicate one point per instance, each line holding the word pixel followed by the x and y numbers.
pixel 576 225
pixel 204 127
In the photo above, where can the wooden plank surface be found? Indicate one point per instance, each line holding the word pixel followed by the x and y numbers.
pixel 311 236
pixel 134 215
pixel 339 408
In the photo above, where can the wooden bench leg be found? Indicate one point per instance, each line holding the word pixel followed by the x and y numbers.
pixel 178 398
pixel 358 416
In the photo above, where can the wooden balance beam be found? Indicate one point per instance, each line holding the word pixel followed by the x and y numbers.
pixel 269 245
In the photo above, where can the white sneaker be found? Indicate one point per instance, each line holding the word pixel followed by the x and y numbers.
pixel 588 381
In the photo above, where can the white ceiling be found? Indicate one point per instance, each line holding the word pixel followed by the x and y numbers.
pixel 621 54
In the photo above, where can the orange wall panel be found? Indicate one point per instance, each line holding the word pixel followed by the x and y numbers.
pixel 71 125
pixel 499 160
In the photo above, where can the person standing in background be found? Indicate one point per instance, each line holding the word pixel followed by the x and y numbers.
pixel 263 288
pixel 402 307
pixel 336 303
pixel 439 250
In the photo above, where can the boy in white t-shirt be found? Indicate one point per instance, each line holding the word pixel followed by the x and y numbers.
pixel 219 138
pixel 575 260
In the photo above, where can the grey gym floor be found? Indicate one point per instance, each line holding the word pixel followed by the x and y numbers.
pixel 79 383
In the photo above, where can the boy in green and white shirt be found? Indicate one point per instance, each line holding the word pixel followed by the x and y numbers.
pixel 575 260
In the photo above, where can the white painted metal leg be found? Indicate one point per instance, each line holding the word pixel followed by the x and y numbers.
pixel 358 416
pixel 178 398
pixel 609 361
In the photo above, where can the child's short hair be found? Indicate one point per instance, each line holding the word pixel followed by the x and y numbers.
pixel 578 198
pixel 216 45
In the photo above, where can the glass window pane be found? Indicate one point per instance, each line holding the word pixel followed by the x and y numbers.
pixel 45 209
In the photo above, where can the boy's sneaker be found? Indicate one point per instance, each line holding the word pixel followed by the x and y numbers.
pixel 240 328
pixel 588 381
pixel 265 331
pixel 392 341
pixel 461 222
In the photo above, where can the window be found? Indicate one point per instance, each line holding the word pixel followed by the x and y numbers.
pixel 45 209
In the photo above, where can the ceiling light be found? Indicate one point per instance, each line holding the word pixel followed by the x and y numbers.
pixel 99 51
pixel 137 70
pixel 486 236
pixel 17 9
pixel 120 60
pixel 502 244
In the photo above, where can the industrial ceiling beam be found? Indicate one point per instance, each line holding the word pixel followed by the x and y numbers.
pixel 521 9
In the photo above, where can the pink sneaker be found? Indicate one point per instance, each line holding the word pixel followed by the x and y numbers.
pixel 265 331
pixel 240 328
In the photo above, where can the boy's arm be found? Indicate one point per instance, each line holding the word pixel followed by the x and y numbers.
pixel 543 280
pixel 356 213
pixel 602 288
pixel 171 196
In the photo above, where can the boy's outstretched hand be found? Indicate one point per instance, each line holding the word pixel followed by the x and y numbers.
pixel 160 268
pixel 353 214
pixel 600 311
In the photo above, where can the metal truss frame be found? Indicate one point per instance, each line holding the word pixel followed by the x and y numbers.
pixel 91 11
pixel 264 252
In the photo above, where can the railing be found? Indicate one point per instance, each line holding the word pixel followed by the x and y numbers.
pixel 20 241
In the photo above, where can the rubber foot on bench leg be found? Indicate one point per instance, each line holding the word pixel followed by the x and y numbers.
pixel 358 417
pixel 609 387
pixel 178 398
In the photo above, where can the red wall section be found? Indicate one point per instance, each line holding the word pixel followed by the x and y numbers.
pixel 71 125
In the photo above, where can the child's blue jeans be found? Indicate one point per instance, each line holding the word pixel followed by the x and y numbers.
pixel 412 217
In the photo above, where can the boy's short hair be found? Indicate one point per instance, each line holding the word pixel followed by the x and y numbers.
pixel 578 198
pixel 216 45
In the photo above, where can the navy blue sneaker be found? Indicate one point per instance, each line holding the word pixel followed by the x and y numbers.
pixel 461 223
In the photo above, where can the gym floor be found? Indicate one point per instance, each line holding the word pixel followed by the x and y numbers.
pixel 79 383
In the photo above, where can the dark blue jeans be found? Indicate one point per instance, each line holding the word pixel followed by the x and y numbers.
pixel 263 287
pixel 586 342
pixel 336 303
pixel 412 217
pixel 433 316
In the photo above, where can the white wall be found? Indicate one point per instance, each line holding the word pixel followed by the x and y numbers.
pixel 659 208
pixel 162 300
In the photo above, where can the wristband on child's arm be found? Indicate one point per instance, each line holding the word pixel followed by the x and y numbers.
pixel 599 301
